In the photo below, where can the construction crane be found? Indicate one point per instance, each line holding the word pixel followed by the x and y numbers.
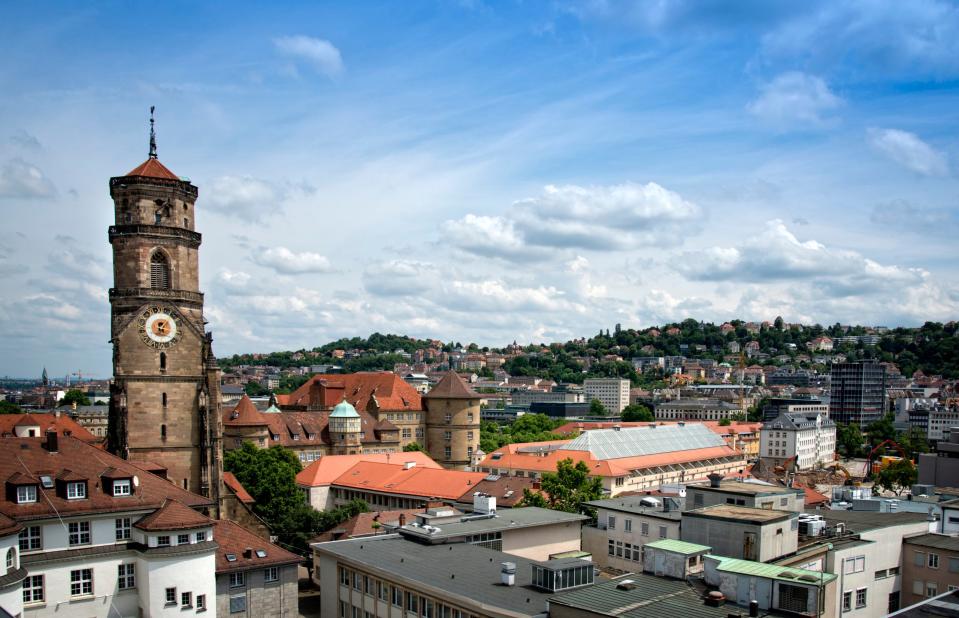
pixel 882 444
pixel 79 374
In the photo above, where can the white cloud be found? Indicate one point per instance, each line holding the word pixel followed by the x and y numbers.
pixel 320 53
pixel 20 179
pixel 907 149
pixel 284 261
pixel 398 278
pixel 244 197
pixel 795 98
pixel 598 218
pixel 235 282
pixel 778 255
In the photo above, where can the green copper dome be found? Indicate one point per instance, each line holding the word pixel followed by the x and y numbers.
pixel 344 410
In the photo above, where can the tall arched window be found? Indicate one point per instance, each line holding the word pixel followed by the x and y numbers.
pixel 11 558
pixel 164 400
pixel 162 361
pixel 159 271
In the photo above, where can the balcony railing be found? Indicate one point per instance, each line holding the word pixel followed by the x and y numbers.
pixel 196 297
pixel 155 231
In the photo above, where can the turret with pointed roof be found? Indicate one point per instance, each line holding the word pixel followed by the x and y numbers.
pixel 452 422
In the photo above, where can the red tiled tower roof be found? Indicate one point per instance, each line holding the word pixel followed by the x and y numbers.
pixel 245 413
pixel 173 515
pixel 452 386
pixel 152 168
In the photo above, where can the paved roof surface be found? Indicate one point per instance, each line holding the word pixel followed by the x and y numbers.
pixel 632 504
pixel 513 519
pixel 740 513
pixel 328 468
pixel 679 547
pixel 461 569
pixel 938 541
pixel 862 521
pixel 745 488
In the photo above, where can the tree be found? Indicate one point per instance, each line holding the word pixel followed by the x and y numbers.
pixel 75 396
pixel 913 442
pixel 637 412
pixel 897 476
pixel 568 488
pixel 413 447
pixel 9 408
pixel 879 431
pixel 725 422
pixel 596 408
pixel 849 440
pixel 255 389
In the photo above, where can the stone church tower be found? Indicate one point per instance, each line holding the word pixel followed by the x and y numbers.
pixel 165 394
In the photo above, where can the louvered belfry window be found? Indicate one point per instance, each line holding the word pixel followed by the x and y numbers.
pixel 159 271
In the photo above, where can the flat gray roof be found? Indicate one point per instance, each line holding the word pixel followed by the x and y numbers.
pixel 748 489
pixel 937 541
pixel 861 521
pixel 459 570
pixel 631 505
pixel 731 512
pixel 507 519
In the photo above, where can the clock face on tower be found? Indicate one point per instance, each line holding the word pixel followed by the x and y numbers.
pixel 158 327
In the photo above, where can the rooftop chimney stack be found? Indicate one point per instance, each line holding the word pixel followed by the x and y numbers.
pixel 507 573
pixel 402 519
pixel 715 479
pixel 52 444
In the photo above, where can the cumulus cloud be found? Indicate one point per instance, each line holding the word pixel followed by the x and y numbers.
pixel 245 197
pixel 795 98
pixel 287 262
pixel 908 150
pixel 19 179
pixel 322 55
pixel 69 257
pixel 598 218
pixel 398 278
pixel 233 281
pixel 778 255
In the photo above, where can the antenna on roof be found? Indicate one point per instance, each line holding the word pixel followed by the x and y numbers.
pixel 153 135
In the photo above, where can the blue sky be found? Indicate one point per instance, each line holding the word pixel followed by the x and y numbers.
pixel 485 171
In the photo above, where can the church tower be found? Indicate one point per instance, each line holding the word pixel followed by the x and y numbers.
pixel 165 394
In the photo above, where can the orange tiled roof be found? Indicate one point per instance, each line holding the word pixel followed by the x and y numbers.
pixel 325 391
pixel 173 515
pixel 328 468
pixel 63 425
pixel 397 479
pixel 152 168
pixel 244 413
pixel 7 525
pixel 235 539
pixel 452 386
pixel 234 484
pixel 362 524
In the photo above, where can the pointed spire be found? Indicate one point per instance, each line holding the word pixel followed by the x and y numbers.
pixel 153 136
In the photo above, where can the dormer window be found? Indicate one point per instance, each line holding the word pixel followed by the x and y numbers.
pixel 275 437
pixel 296 436
pixel 163 540
pixel 122 487
pixel 311 436
pixel 26 494
pixel 76 490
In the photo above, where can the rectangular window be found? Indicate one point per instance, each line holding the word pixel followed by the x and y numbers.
pixel 469 436
pixel 447 435
pixel 201 537
pixel 126 576
pixel 271 574
pixel 919 559
pixel 860 598
pixel 76 490
pixel 344 577
pixel 163 540
pixel 412 603
pixel 855 565
pixel 171 596
pixel 644 528
pixel 237 580
pixel 662 532
pixel 81 582
pixel 847 601
pixel 396 597
pixel 917 586
pixel 186 600
pixel 30 539
pixel 448 453
pixel 933 561
pixel 611 522
pixel 932 589
pixel 122 528
pixel 953 563
pixel 237 603
pixel 357 581
pixel 26 493
pixel 183 539
pixel 122 487
pixel 612 547
pixel 33 589
pixel 79 533
pixel 628 525
pixel 201 602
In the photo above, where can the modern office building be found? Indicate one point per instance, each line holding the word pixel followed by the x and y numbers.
pixel 613 393
pixel 858 392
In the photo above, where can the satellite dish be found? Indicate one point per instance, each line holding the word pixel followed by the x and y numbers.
pixel 136 481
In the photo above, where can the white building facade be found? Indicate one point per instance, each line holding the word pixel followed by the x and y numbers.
pixel 613 393
pixel 807 437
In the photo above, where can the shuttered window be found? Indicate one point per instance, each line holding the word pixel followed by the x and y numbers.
pixel 159 271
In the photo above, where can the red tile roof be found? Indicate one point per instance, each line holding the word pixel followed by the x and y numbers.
pixel 152 168
pixel 84 460
pixel 362 524
pixel 388 390
pixel 173 515
pixel 508 490
pixel 416 481
pixel 244 413
pixel 8 526
pixel 452 386
pixel 63 425
pixel 234 485
pixel 236 540
pixel 328 468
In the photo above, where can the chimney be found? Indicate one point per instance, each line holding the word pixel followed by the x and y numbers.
pixel 754 608
pixel 616 427
pixel 248 552
pixel 409 464
pixel 714 479
pixel 507 573
pixel 52 443
pixel 402 519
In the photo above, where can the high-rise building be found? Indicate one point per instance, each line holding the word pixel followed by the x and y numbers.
pixel 858 392
pixel 613 393
pixel 166 383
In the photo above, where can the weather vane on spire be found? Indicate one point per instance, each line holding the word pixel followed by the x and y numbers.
pixel 153 136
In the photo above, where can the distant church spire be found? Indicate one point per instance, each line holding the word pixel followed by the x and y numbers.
pixel 44 378
pixel 153 136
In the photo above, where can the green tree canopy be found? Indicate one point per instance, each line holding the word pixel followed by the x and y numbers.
pixel 637 412
pixel 255 389
pixel 413 447
pixel 849 440
pixel 7 407
pixel 75 396
pixel 897 476
pixel 596 408
pixel 567 489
